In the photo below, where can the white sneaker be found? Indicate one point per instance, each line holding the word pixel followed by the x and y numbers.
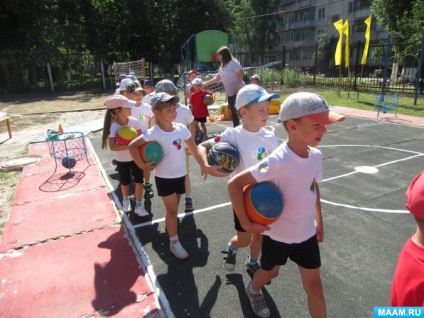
pixel 126 205
pixel 178 250
pixel 140 211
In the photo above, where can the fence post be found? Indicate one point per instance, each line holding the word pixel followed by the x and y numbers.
pixel 102 70
pixel 356 64
pixel 49 71
pixel 420 65
pixel 315 63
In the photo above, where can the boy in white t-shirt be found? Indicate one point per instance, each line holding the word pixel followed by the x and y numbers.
pixel 143 112
pixel 296 168
pixel 254 143
pixel 185 117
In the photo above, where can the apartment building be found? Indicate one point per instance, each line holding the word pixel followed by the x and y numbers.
pixel 303 21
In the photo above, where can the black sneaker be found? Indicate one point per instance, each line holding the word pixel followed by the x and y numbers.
pixel 252 268
pixel 188 205
pixel 229 260
pixel 148 192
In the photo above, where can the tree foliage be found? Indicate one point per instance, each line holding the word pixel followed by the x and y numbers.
pixel 404 21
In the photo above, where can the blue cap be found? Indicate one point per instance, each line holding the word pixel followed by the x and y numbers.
pixel 148 83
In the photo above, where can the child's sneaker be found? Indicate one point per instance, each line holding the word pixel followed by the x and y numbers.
pixel 188 205
pixel 140 211
pixel 252 267
pixel 258 303
pixel 126 205
pixel 229 259
pixel 148 192
pixel 178 250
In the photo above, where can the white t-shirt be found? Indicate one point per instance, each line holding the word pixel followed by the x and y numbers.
pixel 173 164
pixel 252 147
pixel 294 176
pixel 148 98
pixel 229 77
pixel 184 115
pixel 144 113
pixel 124 155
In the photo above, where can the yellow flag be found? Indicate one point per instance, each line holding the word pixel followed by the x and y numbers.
pixel 347 46
pixel 367 40
pixel 338 56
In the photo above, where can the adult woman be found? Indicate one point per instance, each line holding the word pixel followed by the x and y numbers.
pixel 231 75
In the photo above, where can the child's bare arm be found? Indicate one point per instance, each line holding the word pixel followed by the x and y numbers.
pixel 319 224
pixel 235 189
pixel 200 154
pixel 135 154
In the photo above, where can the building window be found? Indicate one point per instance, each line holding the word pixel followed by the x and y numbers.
pixel 287 36
pixel 321 13
pixel 351 7
pixel 335 18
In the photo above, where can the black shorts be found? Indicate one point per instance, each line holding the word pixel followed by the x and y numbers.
pixel 167 187
pixel 200 119
pixel 237 224
pixel 125 169
pixel 305 254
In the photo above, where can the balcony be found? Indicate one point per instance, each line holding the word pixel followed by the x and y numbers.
pixel 304 43
pixel 362 13
pixel 304 24
pixel 303 3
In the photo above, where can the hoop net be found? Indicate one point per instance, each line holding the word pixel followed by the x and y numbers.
pixel 135 68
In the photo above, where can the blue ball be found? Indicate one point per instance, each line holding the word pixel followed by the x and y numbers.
pixel 68 162
pixel 225 155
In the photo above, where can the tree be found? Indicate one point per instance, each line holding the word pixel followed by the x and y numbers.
pixel 404 21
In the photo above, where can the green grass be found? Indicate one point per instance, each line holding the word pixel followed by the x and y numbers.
pixel 365 101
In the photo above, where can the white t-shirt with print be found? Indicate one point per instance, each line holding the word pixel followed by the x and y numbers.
pixel 229 77
pixel 173 164
pixel 124 155
pixel 184 115
pixel 252 147
pixel 294 176
pixel 143 113
pixel 148 98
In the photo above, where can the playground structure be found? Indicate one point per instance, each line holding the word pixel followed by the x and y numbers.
pixel 199 53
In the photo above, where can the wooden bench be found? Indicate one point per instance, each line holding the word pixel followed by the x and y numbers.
pixel 385 103
pixel 5 119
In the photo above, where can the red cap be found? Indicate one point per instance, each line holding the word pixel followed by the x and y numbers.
pixel 415 196
pixel 192 72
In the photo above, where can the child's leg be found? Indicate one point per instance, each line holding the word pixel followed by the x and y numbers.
pixel 147 185
pixel 242 239
pixel 171 207
pixel 125 189
pixel 313 287
pixel 138 192
pixel 147 176
pixel 205 132
pixel 255 247
pixel 262 277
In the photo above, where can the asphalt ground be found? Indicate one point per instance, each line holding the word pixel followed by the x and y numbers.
pixel 368 165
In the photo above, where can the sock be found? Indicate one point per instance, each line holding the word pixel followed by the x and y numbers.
pixel 127 198
pixel 173 238
pixel 230 247
pixel 147 185
pixel 188 196
pixel 138 203
pixel 251 261
pixel 252 290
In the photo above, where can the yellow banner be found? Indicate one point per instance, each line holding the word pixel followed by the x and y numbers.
pixel 347 46
pixel 367 40
pixel 338 56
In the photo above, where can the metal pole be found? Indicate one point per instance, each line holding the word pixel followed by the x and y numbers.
pixel 386 64
pixel 418 76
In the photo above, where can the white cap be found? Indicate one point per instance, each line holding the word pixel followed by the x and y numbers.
pixel 252 93
pixel 124 84
pixel 196 81
pixel 308 104
pixel 256 76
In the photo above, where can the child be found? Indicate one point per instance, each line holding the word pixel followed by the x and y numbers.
pixel 142 112
pixel 118 116
pixel 149 88
pixel 253 143
pixel 200 110
pixel 189 88
pixel 408 282
pixel 296 168
pixel 255 79
pixel 171 171
pixel 185 117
